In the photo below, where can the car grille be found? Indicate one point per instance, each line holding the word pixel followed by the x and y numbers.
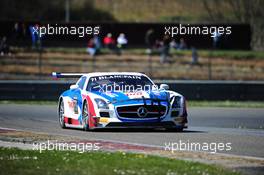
pixel 153 111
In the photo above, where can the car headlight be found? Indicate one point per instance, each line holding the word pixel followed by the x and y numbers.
pixel 101 104
pixel 176 102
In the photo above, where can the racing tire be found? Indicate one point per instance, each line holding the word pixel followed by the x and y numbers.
pixel 61 114
pixel 85 116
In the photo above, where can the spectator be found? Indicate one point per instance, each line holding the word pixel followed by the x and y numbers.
pixel 15 34
pixel 157 44
pixel 97 43
pixel 183 44
pixel 4 47
pixel 216 40
pixel 174 44
pixel 23 30
pixel 165 48
pixel 150 40
pixel 91 47
pixel 194 56
pixel 122 41
pixel 109 42
pixel 34 35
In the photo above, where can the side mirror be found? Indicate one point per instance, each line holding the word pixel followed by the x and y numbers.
pixel 74 86
pixel 164 87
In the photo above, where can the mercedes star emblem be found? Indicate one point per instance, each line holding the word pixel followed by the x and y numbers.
pixel 142 112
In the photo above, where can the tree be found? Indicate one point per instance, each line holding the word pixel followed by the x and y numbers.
pixel 41 10
pixel 242 11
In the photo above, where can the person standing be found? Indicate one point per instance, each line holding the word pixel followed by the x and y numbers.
pixel 34 31
pixel 122 41
pixel 165 48
pixel 109 41
pixel 91 47
pixel 4 47
pixel 150 40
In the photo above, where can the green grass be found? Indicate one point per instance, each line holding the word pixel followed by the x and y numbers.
pixel 227 103
pixel 15 161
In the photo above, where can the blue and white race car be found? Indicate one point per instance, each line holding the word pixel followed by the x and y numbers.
pixel 119 100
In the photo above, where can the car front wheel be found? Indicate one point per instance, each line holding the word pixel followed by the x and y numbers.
pixel 61 114
pixel 85 117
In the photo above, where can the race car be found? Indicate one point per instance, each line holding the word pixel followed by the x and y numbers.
pixel 119 100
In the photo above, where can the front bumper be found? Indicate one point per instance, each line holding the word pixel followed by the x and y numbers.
pixel 141 125
pixel 166 121
pixel 108 123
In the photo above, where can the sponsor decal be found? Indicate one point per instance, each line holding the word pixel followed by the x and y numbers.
pixel 106 77
pixel 73 106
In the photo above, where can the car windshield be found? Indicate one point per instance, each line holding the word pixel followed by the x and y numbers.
pixel 124 83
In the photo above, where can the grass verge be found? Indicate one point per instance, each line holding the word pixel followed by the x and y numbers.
pixel 15 161
pixel 229 104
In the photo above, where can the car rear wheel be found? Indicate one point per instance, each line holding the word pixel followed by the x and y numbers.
pixel 61 114
pixel 85 116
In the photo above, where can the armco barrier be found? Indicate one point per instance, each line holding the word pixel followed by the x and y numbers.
pixel 218 90
pixel 192 90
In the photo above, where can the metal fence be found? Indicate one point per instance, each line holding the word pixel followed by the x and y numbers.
pixel 38 65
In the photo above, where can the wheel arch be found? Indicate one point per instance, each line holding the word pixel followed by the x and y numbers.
pixel 59 102
pixel 91 110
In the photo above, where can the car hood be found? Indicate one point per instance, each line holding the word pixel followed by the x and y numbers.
pixel 133 97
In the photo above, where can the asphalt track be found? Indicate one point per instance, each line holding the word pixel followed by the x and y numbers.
pixel 241 127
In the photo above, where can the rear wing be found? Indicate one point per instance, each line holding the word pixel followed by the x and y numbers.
pixel 66 75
